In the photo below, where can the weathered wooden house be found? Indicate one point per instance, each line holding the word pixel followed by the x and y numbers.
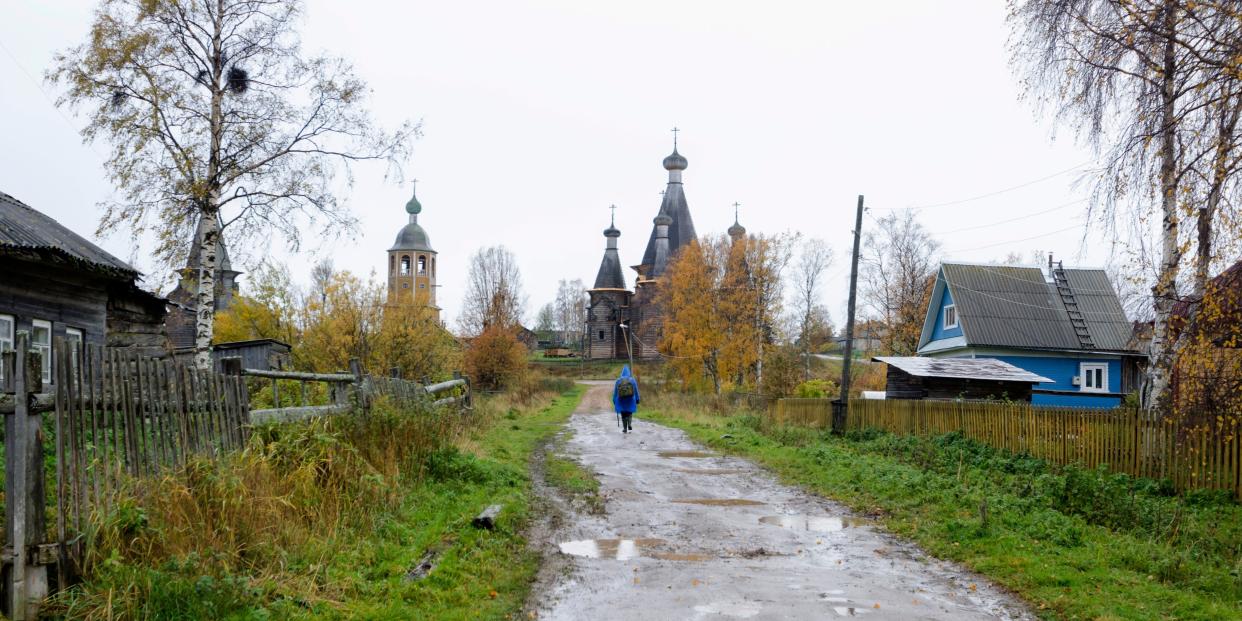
pixel 55 283
pixel 966 379
pixel 1066 325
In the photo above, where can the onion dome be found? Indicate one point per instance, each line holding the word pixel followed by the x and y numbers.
pixel 612 231
pixel 737 230
pixel 675 161
pixel 413 207
pixel 663 219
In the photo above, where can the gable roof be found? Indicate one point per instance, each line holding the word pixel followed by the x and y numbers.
pixel 1016 307
pixel 962 368
pixel 22 228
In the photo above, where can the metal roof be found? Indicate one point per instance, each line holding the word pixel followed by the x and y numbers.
pixel 1008 306
pixel 412 237
pixel 24 228
pixel 962 368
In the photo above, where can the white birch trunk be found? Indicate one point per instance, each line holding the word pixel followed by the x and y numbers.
pixel 204 321
pixel 1160 358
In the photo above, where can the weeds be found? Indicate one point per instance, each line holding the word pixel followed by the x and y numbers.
pixel 322 519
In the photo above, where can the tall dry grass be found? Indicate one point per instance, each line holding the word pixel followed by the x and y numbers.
pixel 295 487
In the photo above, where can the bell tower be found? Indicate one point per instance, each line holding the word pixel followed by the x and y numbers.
pixel 412 263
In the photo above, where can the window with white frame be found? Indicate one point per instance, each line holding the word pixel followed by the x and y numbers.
pixel 73 337
pixel 41 343
pixel 950 316
pixel 1093 377
pixel 7 324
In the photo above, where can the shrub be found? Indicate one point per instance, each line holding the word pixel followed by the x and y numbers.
pixel 817 389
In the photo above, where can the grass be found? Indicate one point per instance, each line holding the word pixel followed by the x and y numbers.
pixel 1077 544
pixel 577 483
pixel 328 520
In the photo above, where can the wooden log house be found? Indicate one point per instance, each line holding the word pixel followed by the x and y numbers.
pixel 54 282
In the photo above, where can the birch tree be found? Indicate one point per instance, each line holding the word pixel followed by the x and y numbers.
pixel 213 113
pixel 809 272
pixel 1151 86
pixel 493 292
pixel 898 269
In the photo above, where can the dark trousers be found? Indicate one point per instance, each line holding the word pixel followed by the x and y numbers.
pixel 627 420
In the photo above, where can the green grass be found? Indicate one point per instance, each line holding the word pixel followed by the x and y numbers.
pixel 577 483
pixel 1077 544
pixel 327 520
pixel 478 574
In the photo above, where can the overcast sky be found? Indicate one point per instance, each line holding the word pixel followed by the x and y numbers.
pixel 539 114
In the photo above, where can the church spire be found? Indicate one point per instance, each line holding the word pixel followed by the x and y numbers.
pixel 679 227
pixel 610 275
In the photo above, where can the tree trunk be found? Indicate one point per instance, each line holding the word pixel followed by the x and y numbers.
pixel 1160 359
pixel 1221 170
pixel 204 324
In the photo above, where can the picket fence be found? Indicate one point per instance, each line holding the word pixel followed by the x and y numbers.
pixel 108 419
pixel 1192 454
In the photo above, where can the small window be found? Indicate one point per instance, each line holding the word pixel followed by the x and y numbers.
pixel 1093 377
pixel 422 264
pixel 405 285
pixel 601 335
pixel 950 316
pixel 405 266
pixel 6 336
pixel 422 285
pixel 41 342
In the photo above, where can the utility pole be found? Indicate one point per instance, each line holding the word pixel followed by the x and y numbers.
pixel 842 406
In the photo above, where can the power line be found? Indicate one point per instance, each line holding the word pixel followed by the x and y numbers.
pixel 989 194
pixel 997 223
pixel 1014 241
pixel 1051 307
pixel 49 99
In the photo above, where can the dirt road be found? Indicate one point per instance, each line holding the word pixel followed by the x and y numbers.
pixel 692 535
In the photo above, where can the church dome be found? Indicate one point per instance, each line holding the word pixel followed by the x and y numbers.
pixel 675 161
pixel 612 231
pixel 412 237
pixel 737 230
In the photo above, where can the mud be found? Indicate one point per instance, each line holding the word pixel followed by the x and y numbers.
pixel 709 471
pixel 719 502
pixel 690 454
pixel 782 558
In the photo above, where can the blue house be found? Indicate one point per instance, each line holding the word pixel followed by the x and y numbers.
pixel 1066 325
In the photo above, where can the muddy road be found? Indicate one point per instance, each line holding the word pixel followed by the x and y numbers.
pixel 689 534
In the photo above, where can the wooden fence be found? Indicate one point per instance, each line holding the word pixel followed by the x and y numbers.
pixel 1191 454
pixel 111 417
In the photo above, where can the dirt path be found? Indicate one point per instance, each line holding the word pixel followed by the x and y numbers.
pixel 691 535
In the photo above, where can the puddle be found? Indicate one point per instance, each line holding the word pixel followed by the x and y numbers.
pixel 738 609
pixel 685 454
pixel 718 502
pixel 625 549
pixel 812 524
pixel 710 470
pixel 850 611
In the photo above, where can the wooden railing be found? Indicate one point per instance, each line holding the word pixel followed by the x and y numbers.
pixel 1193 454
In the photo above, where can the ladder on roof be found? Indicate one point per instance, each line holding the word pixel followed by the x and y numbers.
pixel 1071 307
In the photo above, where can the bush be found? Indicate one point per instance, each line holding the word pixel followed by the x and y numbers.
pixel 817 389
pixel 496 360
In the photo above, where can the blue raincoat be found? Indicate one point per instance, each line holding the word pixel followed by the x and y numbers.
pixel 627 405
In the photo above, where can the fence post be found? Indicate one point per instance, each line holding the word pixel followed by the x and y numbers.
pixel 362 400
pixel 25 518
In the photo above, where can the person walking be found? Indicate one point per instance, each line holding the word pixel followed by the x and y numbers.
pixel 625 398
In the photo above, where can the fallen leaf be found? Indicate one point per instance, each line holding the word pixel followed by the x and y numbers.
pixel 876 606
pixel 974 587
pixel 694 582
pixel 493 594
pixel 635 579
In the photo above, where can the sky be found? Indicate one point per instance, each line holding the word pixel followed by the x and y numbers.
pixel 539 114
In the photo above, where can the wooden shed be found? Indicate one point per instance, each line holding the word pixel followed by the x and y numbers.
pixel 971 379
pixel 262 354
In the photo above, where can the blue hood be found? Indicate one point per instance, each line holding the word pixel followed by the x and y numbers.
pixel 625 371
